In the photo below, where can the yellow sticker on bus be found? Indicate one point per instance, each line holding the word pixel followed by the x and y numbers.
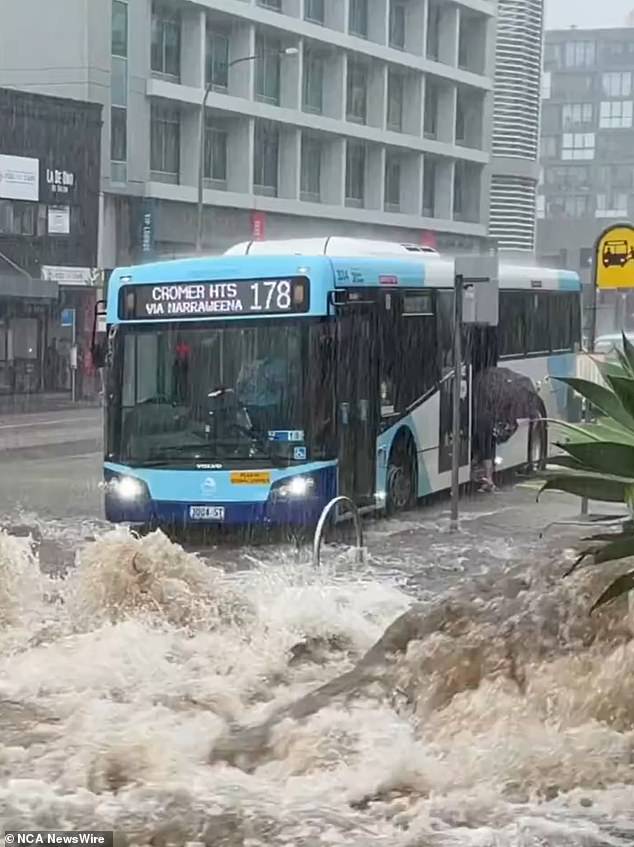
pixel 250 478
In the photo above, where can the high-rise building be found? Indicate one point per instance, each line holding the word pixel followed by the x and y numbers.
pixel 355 117
pixel 587 142
pixel 515 144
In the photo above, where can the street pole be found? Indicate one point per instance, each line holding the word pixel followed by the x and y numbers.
pixel 457 386
pixel 593 333
pixel 201 170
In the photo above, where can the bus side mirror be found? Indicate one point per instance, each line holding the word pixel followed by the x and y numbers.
pixel 98 349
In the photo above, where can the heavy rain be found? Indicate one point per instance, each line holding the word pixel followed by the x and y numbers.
pixel 316 423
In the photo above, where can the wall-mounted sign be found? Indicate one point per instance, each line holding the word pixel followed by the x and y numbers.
pixel 614 258
pixel 60 182
pixel 59 220
pixel 258 226
pixel 68 276
pixel 147 227
pixel 214 299
pixel 67 317
pixel 19 178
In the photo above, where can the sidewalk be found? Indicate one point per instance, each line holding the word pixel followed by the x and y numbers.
pixel 22 404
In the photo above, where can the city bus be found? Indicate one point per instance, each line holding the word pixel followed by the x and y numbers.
pixel 254 387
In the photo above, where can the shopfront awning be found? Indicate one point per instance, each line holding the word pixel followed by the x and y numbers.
pixel 18 286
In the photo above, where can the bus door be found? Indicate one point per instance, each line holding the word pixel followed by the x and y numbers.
pixel 357 399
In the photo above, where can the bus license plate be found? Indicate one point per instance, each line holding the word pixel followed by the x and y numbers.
pixel 207 513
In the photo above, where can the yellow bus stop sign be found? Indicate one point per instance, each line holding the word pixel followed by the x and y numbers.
pixel 614 258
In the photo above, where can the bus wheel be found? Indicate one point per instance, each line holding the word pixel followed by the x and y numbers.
pixel 401 491
pixel 537 446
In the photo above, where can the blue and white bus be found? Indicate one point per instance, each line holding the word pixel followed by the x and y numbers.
pixel 254 387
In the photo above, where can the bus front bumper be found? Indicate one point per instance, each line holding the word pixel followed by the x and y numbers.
pixel 295 500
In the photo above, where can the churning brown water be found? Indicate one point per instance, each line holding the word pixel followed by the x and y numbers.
pixel 154 695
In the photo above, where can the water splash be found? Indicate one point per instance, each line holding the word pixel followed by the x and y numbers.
pixel 497 713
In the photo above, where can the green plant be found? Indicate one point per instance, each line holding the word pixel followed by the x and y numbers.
pixel 599 462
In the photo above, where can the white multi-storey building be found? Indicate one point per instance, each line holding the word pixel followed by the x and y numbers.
pixel 515 146
pixel 349 117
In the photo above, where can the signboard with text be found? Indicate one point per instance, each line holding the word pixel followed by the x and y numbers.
pixel 19 178
pixel 614 258
pixel 289 295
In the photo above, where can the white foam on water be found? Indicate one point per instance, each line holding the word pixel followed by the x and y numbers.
pixel 509 725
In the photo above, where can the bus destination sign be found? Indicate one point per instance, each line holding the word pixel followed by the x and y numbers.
pixel 289 295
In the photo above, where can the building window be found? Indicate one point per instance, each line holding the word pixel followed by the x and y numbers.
pixel 355 173
pixel 616 176
pixel 618 84
pixel 580 54
pixel 165 140
pixel 357 98
pixel 431 109
pixel 616 114
pixel 267 70
pixel 119 29
pixel 577 206
pixel 276 5
pixel 612 205
pixel 460 119
pixel 313 81
pixel 570 206
pixel 552 56
pixel 392 182
pixel 119 92
pixel 578 145
pixel 433 31
pixel 215 159
pixel 314 11
pixel 429 188
pixel 311 169
pixel 576 114
pixel 568 177
pixel 395 85
pixel 548 147
pixel 547 82
pixel 217 59
pixel 118 134
pixel 358 22
pixel 397 25
pixel 17 217
pixel 166 40
pixel 266 158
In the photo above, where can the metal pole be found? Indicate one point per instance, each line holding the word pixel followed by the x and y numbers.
pixel 593 333
pixel 457 385
pixel 73 370
pixel 201 169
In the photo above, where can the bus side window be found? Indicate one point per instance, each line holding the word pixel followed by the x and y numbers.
pixel 418 364
pixel 388 351
pixel 444 308
pixel 512 323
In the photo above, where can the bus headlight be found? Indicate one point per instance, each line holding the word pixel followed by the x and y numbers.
pixel 294 488
pixel 127 488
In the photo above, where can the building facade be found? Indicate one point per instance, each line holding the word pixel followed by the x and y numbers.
pixel 49 212
pixel 587 143
pixel 352 117
pixel 515 144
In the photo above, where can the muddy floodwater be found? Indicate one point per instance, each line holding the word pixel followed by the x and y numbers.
pixel 152 693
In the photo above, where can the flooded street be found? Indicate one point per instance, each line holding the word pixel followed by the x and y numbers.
pixel 162 693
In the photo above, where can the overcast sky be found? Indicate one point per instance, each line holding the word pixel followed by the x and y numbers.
pixel 587 13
